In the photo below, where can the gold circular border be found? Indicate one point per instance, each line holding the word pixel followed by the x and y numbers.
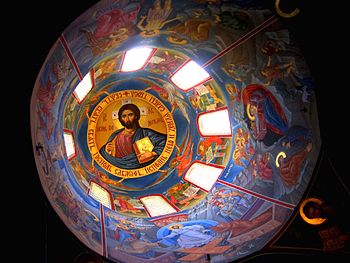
pixel 311 221
pixel 251 117
pixel 280 154
pixel 170 129
pixel 284 14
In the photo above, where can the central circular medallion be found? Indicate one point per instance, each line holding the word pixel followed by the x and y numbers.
pixel 131 134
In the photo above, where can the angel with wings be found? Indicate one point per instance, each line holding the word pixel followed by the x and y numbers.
pixel 169 93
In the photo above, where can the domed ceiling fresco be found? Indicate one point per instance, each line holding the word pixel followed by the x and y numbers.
pixel 171 131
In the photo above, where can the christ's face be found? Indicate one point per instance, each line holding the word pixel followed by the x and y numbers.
pixel 128 119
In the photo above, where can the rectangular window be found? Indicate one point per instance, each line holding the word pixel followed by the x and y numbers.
pixel 157 205
pixel 69 144
pixel 203 175
pixel 189 75
pixel 84 86
pixel 136 58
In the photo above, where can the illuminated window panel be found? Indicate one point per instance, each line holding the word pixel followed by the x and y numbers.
pixel 84 86
pixel 157 205
pixel 214 123
pixel 69 144
pixel 203 175
pixel 100 194
pixel 136 58
pixel 189 75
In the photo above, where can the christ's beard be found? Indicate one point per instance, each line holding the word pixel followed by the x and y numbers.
pixel 128 124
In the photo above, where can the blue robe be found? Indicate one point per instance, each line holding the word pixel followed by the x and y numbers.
pixel 191 236
pixel 130 161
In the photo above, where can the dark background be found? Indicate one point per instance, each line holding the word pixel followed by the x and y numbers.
pixel 31 30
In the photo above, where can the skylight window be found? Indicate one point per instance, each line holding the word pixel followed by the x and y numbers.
pixel 100 194
pixel 136 58
pixel 189 75
pixel 214 123
pixel 84 87
pixel 69 144
pixel 203 175
pixel 157 205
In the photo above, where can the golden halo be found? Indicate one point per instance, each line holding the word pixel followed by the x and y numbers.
pixel 150 33
pixel 200 147
pixel 280 154
pixel 251 117
pixel 311 221
pixel 121 31
pixel 173 39
pixel 283 14
pixel 172 226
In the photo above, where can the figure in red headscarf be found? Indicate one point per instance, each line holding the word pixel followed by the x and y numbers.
pixel 264 112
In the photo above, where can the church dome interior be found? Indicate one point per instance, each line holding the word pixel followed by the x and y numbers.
pixel 175 131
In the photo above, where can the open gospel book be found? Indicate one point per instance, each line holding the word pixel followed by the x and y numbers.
pixel 142 146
